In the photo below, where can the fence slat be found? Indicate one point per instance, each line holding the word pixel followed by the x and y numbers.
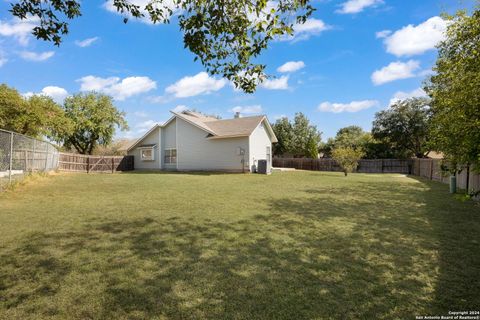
pixel 85 163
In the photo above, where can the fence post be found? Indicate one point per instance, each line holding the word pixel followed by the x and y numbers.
pixel 11 159
pixel 382 166
pixel 468 179
pixel 113 165
pixel 88 164
pixel 26 160
pixel 32 166
pixel 431 169
pixel 46 158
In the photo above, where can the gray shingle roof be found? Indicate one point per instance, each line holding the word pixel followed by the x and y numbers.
pixel 235 127
pixel 223 128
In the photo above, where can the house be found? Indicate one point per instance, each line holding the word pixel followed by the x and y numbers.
pixel 190 141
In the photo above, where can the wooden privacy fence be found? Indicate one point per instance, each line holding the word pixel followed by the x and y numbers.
pixel 364 166
pixel 431 169
pixel 87 163
pixel 427 168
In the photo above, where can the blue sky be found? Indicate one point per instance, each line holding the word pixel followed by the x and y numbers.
pixel 348 62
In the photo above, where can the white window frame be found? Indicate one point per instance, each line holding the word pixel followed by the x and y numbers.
pixel 170 156
pixel 151 149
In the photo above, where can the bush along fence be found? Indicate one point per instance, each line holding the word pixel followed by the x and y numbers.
pixel 20 155
pixel 467 179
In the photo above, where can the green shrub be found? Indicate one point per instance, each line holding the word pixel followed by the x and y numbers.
pixel 347 158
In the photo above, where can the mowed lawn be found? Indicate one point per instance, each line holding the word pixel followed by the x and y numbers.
pixel 293 245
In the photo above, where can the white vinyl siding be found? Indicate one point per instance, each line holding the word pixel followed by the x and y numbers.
pixel 169 135
pixel 196 152
pixel 151 138
pixel 259 141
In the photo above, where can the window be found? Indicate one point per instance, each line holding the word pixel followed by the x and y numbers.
pixel 171 156
pixel 147 154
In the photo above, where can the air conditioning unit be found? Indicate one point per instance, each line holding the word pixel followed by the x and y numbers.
pixel 263 167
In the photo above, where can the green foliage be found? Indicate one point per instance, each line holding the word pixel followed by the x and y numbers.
pixel 115 148
pixel 455 91
pixel 305 137
pixel 348 137
pixel 375 149
pixel 225 35
pixel 347 158
pixel 404 127
pixel 284 132
pixel 36 116
pixel 94 119
pixel 300 138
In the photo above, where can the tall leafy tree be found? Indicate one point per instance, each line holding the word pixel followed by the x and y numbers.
pixel 35 116
pixel 284 132
pixel 305 136
pixel 94 119
pixel 225 35
pixel 404 127
pixel 298 138
pixel 356 138
pixel 455 91
pixel 352 136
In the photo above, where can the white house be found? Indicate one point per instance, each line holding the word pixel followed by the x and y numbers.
pixel 190 141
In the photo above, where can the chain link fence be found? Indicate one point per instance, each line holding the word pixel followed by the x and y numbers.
pixel 21 155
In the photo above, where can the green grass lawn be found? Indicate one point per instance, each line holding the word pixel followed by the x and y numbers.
pixel 293 245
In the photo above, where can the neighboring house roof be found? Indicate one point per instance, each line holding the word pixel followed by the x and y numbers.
pixel 218 128
pixel 435 155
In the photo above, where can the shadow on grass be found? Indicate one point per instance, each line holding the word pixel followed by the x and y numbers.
pixel 194 173
pixel 310 257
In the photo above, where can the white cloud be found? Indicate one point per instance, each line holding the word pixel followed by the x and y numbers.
pixel 395 71
pixel 18 29
pixel 353 106
pixel 356 6
pixel 92 83
pixel 304 31
pixel 254 109
pixel 169 4
pixel 180 108
pixel 280 116
pixel 275 84
pixel 36 56
pixel 291 66
pixel 413 40
pixel 86 43
pixel 190 86
pixel 401 95
pixel 117 88
pixel 56 93
pixel 383 34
